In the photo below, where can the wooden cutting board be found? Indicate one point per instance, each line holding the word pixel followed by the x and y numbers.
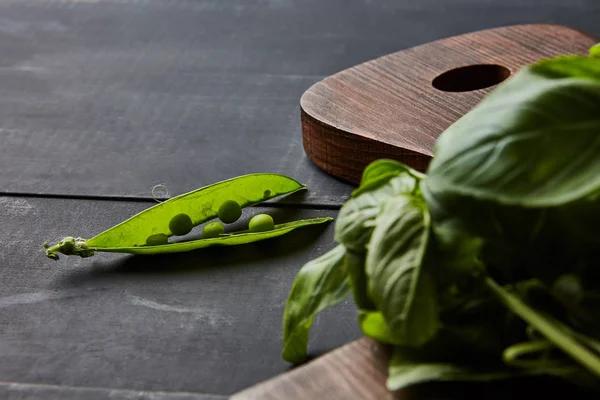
pixel 397 105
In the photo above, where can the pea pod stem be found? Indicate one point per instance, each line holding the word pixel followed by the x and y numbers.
pixel 69 246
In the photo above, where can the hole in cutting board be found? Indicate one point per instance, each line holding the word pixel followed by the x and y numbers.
pixel 471 77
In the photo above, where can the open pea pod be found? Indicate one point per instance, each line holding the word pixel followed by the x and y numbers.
pixel 231 239
pixel 200 205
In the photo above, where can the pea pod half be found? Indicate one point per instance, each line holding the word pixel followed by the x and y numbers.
pixel 200 205
pixel 82 249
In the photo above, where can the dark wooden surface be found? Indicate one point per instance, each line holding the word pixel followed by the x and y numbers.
pixel 397 105
pixel 207 321
pixel 27 391
pixel 102 99
pixel 195 91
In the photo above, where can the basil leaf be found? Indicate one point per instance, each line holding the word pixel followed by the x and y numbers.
pixel 373 325
pixel 381 171
pixel 406 369
pixel 568 67
pixel 595 51
pixel 532 142
pixel 356 218
pixel 459 250
pixel 398 284
pixel 357 278
pixel 319 284
pixel 380 167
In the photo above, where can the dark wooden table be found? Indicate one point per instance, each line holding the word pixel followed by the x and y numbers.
pixel 102 99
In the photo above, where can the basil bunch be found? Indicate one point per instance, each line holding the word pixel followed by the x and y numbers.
pixel 488 266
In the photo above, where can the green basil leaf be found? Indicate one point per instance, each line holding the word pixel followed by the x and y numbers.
pixel 381 171
pixel 568 67
pixel 356 218
pixel 532 142
pixel 406 368
pixel 372 324
pixel 380 167
pixel 459 249
pixel 512 242
pixel 399 285
pixel 321 283
pixel 595 51
pixel 357 278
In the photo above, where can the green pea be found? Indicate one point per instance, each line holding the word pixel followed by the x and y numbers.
pixel 212 229
pixel 181 224
pixel 157 240
pixel 229 212
pixel 261 223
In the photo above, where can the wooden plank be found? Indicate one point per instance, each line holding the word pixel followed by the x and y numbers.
pixel 355 371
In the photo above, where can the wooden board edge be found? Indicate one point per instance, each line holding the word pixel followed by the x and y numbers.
pixel 357 370
pixel 325 144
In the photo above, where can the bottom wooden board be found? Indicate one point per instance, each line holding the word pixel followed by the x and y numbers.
pixel 358 371
pixel 355 371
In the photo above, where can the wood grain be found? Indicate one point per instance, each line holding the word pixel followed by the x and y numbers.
pixel 389 107
pixel 358 371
